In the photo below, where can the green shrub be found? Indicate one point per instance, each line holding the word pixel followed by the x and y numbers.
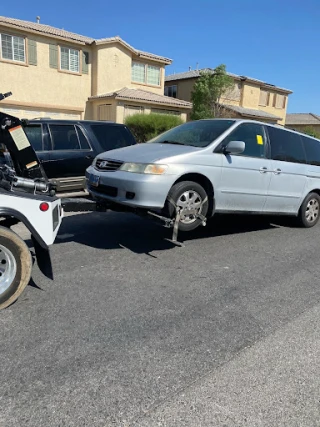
pixel 311 132
pixel 146 126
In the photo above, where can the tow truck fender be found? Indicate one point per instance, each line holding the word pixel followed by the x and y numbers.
pixel 41 248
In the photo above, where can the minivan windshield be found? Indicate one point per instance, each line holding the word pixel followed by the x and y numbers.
pixel 199 133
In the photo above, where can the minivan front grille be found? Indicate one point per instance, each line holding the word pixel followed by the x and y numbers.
pixel 108 165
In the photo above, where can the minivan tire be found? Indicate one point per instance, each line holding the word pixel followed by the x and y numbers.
pixel 191 195
pixel 309 211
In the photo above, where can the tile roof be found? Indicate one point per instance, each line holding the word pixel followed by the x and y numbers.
pixel 144 95
pixel 302 119
pixel 136 51
pixel 44 29
pixel 196 73
pixel 47 30
pixel 251 112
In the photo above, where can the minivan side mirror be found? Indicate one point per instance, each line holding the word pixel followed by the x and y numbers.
pixel 234 147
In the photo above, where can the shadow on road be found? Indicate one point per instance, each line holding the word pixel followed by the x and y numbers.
pixel 113 230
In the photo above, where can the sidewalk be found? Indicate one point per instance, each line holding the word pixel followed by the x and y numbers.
pixel 274 383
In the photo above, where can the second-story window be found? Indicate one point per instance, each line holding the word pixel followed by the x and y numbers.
pixel 13 48
pixel 69 59
pixel 279 101
pixel 146 74
pixel 171 91
pixel 264 98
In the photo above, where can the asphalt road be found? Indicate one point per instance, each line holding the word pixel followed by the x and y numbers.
pixel 137 332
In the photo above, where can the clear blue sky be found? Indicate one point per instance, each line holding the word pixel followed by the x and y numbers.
pixel 276 40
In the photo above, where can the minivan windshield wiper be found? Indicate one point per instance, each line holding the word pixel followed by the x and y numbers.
pixel 170 142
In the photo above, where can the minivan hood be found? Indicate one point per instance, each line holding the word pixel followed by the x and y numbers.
pixel 147 152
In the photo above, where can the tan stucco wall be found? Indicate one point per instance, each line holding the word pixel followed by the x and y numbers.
pixel 114 70
pixel 250 97
pixel 39 90
pixel 39 85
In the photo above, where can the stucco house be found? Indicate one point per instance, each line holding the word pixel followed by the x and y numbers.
pixel 249 98
pixel 56 73
pixel 303 121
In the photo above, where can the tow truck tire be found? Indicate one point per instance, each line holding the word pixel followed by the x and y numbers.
pixel 187 194
pixel 15 266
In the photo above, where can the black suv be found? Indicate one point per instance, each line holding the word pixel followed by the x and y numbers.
pixel 67 147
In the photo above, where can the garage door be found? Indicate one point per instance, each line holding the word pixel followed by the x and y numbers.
pixel 32 114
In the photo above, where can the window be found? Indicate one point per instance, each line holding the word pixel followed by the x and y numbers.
pixel 64 137
pixel 112 136
pixel 199 133
pixel 34 134
pixel 234 93
pixel 130 110
pixel 312 149
pixel 264 98
pixel 286 146
pixel 143 73
pixel 279 101
pixel 153 75
pixel 84 145
pixel 171 91
pixel 252 135
pixel 161 111
pixel 69 59
pixel 13 48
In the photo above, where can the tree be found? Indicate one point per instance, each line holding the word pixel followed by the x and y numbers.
pixel 311 132
pixel 208 92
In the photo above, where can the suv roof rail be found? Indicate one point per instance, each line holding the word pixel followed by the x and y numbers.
pixel 41 118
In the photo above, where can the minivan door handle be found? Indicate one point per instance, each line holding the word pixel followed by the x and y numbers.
pixel 264 169
pixel 89 157
pixel 277 171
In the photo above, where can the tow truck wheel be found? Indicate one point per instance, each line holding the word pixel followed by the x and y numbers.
pixel 15 266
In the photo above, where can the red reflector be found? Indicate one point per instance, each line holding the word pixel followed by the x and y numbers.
pixel 44 207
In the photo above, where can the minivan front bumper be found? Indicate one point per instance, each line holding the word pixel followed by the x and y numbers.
pixel 130 189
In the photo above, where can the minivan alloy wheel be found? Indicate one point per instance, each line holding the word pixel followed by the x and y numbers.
pixel 312 210
pixel 190 203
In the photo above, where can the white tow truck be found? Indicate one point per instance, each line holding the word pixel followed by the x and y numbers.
pixel 26 196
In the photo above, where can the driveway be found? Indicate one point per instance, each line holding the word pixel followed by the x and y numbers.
pixel 137 332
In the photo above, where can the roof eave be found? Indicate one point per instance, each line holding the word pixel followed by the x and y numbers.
pixel 138 53
pixel 44 34
pixel 125 98
pixel 238 78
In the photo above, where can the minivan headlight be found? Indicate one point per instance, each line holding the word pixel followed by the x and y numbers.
pixel 152 169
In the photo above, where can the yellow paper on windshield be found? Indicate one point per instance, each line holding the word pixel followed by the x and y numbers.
pixel 259 140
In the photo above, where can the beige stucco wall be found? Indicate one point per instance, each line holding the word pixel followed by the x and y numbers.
pixel 250 97
pixel 114 70
pixel 40 86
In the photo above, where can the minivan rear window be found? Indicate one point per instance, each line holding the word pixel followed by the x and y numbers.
pixel 199 133
pixel 312 148
pixel 111 137
pixel 286 146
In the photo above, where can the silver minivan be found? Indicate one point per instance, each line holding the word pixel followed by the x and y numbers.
pixel 214 166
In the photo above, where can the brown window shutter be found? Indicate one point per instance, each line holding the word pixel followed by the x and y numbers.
pixel 85 62
pixel 53 56
pixel 32 52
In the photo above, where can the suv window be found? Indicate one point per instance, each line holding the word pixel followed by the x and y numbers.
pixel 312 149
pixel 64 137
pixel 111 137
pixel 286 146
pixel 253 135
pixel 83 140
pixel 34 134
